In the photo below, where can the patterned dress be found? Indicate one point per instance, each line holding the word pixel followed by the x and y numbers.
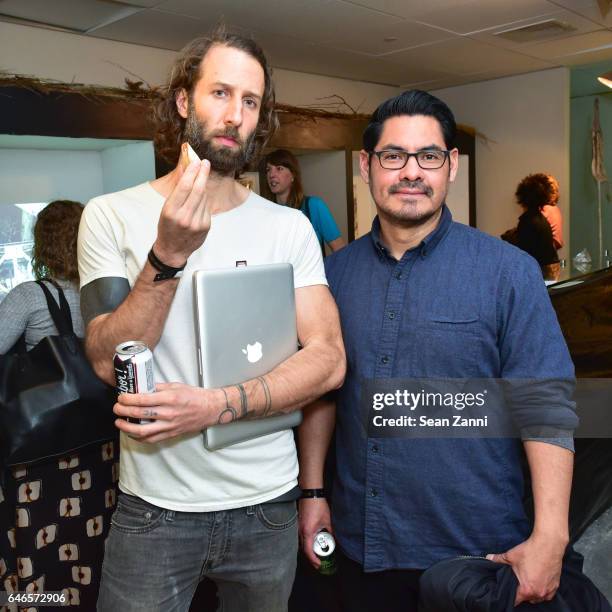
pixel 54 518
pixel 54 514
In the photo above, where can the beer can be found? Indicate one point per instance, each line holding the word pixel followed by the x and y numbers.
pixel 324 547
pixel 133 363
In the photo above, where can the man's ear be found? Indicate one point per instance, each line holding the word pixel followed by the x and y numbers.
pixel 364 165
pixel 453 159
pixel 182 103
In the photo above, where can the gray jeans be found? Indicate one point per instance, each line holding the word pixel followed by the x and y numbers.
pixel 154 558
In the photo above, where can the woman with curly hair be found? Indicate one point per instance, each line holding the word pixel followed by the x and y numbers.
pixel 534 233
pixel 551 209
pixel 50 510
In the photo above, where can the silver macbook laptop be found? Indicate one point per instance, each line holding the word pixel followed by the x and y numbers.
pixel 245 327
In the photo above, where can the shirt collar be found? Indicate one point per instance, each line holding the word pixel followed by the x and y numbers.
pixel 428 243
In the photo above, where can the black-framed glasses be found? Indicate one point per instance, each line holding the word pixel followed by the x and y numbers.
pixel 396 159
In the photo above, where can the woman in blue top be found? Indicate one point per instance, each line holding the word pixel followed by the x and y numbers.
pixel 285 182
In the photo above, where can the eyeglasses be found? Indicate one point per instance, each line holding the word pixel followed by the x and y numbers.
pixel 396 159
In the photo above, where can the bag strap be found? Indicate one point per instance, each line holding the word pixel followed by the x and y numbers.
pixel 61 314
pixel 307 213
pixel 307 207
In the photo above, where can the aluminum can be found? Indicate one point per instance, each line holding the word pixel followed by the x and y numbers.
pixel 133 363
pixel 324 547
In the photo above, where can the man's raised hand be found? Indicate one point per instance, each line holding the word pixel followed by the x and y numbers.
pixel 185 218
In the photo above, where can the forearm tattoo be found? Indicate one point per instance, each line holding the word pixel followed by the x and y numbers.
pixel 229 414
pixel 266 389
pixel 244 404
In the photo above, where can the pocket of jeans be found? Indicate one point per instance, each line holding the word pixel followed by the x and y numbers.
pixel 134 515
pixel 277 516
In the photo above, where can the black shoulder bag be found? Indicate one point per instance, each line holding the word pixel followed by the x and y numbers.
pixel 51 401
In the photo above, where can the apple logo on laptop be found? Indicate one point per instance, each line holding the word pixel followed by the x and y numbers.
pixel 253 352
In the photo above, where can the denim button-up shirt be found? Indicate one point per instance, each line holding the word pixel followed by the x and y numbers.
pixel 461 304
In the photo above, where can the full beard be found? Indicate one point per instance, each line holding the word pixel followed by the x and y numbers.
pixel 226 161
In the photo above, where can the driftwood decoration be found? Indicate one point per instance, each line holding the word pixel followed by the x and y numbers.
pixel 139 90
pixel 141 93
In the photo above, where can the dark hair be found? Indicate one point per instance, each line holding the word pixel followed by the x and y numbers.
pixel 412 102
pixel 186 72
pixel 537 190
pixel 282 157
pixel 55 241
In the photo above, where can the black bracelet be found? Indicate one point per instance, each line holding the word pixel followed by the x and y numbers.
pixel 310 493
pixel 165 271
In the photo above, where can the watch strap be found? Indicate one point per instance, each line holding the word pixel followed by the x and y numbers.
pixel 311 493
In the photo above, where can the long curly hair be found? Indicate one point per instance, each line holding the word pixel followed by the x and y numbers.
pixel 55 241
pixel 185 74
pixel 282 157
pixel 537 190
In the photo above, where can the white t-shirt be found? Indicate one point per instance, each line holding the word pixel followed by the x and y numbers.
pixel 116 233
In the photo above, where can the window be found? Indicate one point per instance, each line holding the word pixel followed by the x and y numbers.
pixel 16 243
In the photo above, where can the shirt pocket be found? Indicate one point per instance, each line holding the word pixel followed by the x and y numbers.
pixel 448 346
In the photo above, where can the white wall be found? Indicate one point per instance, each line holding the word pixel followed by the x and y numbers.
pixel 300 89
pixel 526 121
pixel 324 175
pixel 30 175
pixel 365 209
pixel 81 59
pixel 127 165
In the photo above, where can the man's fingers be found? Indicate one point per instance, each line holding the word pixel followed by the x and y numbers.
pixel 532 594
pixel 196 199
pixel 182 189
pixel 146 412
pixel 143 399
pixel 498 558
pixel 137 431
pixel 309 552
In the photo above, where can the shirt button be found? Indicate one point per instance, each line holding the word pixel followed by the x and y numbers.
pixel 373 492
pixel 399 276
pixel 375 449
pixel 384 359
pixel 391 315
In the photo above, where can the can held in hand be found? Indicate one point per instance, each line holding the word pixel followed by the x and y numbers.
pixel 324 546
pixel 133 363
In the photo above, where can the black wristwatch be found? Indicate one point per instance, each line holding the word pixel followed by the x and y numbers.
pixel 311 493
pixel 165 271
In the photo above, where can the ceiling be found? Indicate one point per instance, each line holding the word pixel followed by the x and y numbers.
pixel 404 43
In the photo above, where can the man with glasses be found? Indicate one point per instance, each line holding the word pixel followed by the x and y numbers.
pixel 423 297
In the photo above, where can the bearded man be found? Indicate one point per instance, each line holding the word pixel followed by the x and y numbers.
pixel 184 512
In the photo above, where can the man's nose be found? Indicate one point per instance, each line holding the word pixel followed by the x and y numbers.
pixel 233 112
pixel 411 171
